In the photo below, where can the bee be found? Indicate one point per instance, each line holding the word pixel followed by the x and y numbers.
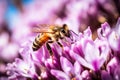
pixel 52 34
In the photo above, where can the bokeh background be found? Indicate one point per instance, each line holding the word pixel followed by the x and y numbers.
pixel 18 17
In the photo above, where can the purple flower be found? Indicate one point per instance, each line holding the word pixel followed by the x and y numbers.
pixel 69 72
pixel 84 56
pixel 111 34
pixel 104 31
pixel 91 54
pixel 22 68
pixel 114 37
pixel 113 68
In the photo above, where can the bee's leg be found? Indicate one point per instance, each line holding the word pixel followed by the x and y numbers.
pixel 60 44
pixel 49 48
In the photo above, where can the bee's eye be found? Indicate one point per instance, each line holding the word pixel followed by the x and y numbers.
pixel 63 31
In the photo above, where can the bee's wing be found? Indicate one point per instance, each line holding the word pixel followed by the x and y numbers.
pixel 41 30
pixel 46 26
pixel 43 25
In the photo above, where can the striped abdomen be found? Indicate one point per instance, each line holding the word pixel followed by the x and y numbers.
pixel 39 41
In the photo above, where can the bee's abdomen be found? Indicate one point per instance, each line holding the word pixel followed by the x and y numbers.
pixel 36 44
pixel 39 41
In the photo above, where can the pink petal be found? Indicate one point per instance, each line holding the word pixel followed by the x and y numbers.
pixel 66 65
pixel 59 75
pixel 77 68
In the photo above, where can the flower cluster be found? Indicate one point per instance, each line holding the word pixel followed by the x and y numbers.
pixel 18 17
pixel 80 59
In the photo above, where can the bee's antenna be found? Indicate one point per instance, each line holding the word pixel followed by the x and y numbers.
pixel 72 33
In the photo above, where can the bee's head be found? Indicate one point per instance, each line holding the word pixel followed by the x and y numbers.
pixel 65 31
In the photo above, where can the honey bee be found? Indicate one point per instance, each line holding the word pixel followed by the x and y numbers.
pixel 52 34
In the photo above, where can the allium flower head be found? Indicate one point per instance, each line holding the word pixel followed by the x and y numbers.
pixel 88 54
pixel 79 58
